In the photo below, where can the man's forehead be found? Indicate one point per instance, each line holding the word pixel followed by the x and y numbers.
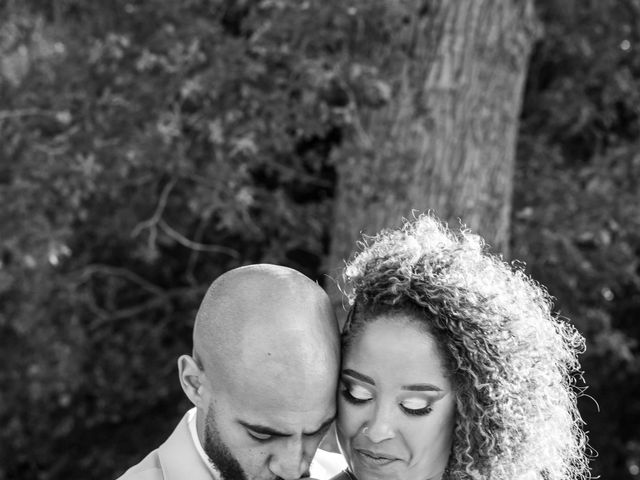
pixel 286 353
pixel 268 329
pixel 275 374
pixel 300 402
pixel 273 387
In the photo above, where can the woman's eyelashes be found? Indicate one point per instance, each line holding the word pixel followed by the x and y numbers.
pixel 359 395
pixel 416 407
pixel 355 394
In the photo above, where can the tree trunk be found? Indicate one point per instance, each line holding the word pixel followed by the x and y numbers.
pixel 445 141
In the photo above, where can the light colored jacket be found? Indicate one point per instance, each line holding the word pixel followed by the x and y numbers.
pixel 176 459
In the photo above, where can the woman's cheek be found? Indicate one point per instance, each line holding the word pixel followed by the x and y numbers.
pixel 351 418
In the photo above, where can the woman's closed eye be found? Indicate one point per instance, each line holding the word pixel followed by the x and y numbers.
pixel 355 394
pixel 416 406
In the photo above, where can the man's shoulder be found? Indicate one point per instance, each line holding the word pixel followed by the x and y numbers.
pixel 148 469
pixel 327 464
pixel 177 458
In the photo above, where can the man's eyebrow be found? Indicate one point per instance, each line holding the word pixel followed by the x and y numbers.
pixel 358 375
pixel 263 429
pixel 421 387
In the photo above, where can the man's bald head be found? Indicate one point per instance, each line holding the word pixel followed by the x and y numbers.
pixel 265 313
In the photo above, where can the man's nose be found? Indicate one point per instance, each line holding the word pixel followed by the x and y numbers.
pixel 291 462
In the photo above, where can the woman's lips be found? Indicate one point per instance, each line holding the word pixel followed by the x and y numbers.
pixel 378 459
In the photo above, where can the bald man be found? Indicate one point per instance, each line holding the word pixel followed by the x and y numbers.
pixel 263 379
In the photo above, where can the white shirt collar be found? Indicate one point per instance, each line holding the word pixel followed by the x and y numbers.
pixel 191 421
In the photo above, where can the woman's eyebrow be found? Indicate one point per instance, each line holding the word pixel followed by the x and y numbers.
pixel 360 376
pixel 421 387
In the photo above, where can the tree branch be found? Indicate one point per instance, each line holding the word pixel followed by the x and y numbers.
pixel 93 269
pixel 200 247
pixel 26 112
pixel 108 317
pixel 152 222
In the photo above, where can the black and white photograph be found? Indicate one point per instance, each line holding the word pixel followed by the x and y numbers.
pixel 322 239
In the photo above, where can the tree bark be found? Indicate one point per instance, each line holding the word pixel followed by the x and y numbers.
pixel 446 139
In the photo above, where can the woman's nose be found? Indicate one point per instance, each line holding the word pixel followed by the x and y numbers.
pixel 380 428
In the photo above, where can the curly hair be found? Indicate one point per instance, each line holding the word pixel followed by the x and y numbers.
pixel 513 362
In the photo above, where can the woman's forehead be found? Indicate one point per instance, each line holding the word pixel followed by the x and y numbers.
pixel 396 344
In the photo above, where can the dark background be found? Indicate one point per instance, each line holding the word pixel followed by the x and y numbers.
pixel 145 149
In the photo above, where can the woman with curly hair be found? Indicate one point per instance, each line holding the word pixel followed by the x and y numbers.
pixel 454 366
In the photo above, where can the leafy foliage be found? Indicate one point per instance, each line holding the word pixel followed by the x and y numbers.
pixel 159 148
pixel 577 197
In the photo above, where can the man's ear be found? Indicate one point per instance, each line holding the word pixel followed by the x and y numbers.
pixel 191 380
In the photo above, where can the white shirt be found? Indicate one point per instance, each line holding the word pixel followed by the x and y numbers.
pixel 326 465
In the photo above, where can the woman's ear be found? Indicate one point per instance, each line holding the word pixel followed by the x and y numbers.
pixel 191 379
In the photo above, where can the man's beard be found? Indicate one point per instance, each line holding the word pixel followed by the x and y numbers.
pixel 219 453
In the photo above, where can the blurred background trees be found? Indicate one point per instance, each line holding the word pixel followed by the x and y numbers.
pixel 148 146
